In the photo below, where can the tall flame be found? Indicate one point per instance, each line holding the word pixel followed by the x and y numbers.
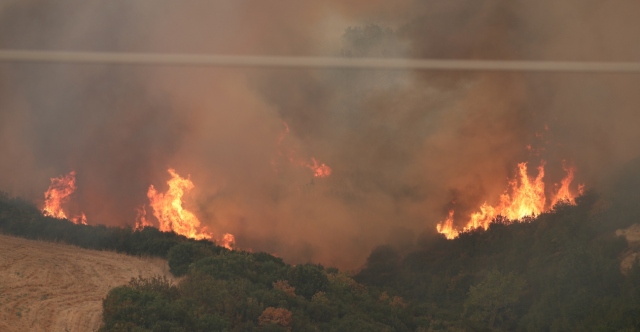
pixel 524 197
pixel 564 194
pixel 446 227
pixel 58 194
pixel 167 208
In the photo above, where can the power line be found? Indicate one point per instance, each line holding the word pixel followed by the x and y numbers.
pixel 159 59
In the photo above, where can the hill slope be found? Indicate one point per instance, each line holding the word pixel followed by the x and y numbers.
pixel 54 287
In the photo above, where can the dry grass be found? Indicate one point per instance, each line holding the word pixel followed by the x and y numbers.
pixel 632 234
pixel 54 287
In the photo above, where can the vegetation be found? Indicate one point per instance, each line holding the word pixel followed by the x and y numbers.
pixel 557 272
pixel 560 271
pixel 21 218
pixel 221 289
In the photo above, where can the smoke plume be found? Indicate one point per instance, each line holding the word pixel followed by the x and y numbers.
pixel 404 147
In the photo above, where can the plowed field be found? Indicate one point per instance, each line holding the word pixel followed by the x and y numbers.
pixel 54 287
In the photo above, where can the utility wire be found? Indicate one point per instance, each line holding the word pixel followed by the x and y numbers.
pixel 160 59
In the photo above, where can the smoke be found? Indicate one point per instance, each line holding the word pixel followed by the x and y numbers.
pixel 404 146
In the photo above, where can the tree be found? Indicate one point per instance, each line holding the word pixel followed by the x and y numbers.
pixel 494 297
pixel 276 316
pixel 308 279
pixel 182 255
pixel 381 268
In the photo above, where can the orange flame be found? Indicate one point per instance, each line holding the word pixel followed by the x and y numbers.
pixel 141 219
pixel 58 194
pixel 228 241
pixel 82 219
pixel 167 208
pixel 525 197
pixel 446 227
pixel 320 170
pixel 564 194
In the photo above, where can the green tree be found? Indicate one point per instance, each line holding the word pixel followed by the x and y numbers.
pixel 308 279
pixel 493 298
pixel 182 255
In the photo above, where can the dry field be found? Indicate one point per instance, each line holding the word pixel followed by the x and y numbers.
pixel 632 234
pixel 54 287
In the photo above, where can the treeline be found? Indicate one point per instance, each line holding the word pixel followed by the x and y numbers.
pixel 22 218
pixel 558 272
pixel 241 291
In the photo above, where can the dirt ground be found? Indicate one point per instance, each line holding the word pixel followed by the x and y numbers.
pixel 632 234
pixel 54 287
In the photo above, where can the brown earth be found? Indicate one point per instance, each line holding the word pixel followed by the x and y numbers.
pixel 632 234
pixel 47 286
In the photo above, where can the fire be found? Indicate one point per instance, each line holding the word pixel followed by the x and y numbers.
pixel 524 197
pixel 141 219
pixel 58 194
pixel 82 219
pixel 446 227
pixel 228 241
pixel 172 216
pixel 564 194
pixel 320 170
pixel 167 208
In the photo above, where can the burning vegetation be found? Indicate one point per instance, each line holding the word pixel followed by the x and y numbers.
pixel 58 195
pixel 172 216
pixel 320 170
pixel 363 159
pixel 524 197
pixel 168 210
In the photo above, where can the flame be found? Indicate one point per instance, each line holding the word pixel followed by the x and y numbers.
pixel 58 194
pixel 446 227
pixel 320 170
pixel 228 241
pixel 524 197
pixel 82 219
pixel 141 218
pixel 564 194
pixel 167 208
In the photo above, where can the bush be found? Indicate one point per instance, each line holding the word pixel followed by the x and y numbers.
pixel 308 279
pixel 182 255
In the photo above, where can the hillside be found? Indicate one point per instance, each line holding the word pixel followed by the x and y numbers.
pixel 55 287
pixel 559 271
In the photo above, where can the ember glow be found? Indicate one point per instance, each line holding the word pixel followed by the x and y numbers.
pixel 320 170
pixel 525 197
pixel 167 208
pixel 58 194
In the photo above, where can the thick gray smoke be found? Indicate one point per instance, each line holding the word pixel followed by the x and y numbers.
pixel 402 145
